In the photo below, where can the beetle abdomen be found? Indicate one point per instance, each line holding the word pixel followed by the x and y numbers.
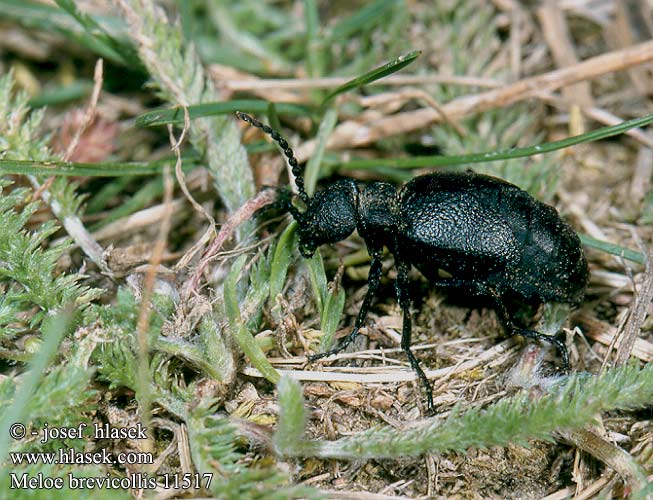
pixel 454 221
pixel 481 228
pixel 553 265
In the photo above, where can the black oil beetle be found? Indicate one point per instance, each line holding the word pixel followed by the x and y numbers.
pixel 492 238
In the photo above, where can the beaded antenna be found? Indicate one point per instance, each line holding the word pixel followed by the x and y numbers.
pixel 290 155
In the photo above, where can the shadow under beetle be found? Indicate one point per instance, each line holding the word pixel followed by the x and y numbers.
pixel 490 236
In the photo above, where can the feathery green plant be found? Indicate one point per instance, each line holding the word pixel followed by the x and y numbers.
pixel 573 403
pixel 116 357
pixel 27 270
pixel 16 410
pixel 212 438
pixel 38 397
pixel 180 79
pixel 22 140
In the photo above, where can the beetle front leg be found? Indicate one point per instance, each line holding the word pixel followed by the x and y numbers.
pixel 404 301
pixel 373 281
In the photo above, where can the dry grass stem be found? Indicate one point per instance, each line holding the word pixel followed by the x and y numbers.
pixel 352 134
pixel 250 83
pixel 138 220
pixel 143 323
pixel 91 109
pixel 398 99
pixel 605 334
pixel 637 314
pixel 385 374
pixel 599 115
pixel 558 38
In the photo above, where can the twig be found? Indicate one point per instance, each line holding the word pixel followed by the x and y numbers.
pixel 227 230
pixel 616 458
pixel 91 110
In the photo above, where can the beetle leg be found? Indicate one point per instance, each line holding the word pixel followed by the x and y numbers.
pixel 513 329
pixel 404 301
pixel 509 325
pixel 373 281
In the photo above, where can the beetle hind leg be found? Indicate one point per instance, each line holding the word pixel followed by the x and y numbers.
pixel 513 329
pixel 551 339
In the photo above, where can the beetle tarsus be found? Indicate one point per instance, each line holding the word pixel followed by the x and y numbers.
pixel 344 343
pixel 550 339
pixel 512 329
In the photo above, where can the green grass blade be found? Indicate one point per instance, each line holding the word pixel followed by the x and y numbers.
pixel 63 168
pixel 62 94
pixel 376 74
pixel 611 248
pixel 312 171
pixel 254 106
pixel 283 254
pixel 314 56
pixel 273 116
pixel 238 328
pixel 334 304
pixel 48 18
pixel 361 19
pixel 99 39
pixel 137 201
pixel 107 193
pixel 319 280
pixel 506 154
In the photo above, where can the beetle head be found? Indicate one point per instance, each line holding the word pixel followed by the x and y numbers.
pixel 329 217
